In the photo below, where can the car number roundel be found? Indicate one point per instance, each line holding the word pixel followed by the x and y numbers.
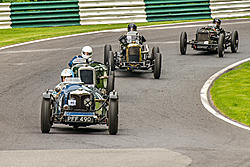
pixel 72 102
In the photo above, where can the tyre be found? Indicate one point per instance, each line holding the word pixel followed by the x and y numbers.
pixel 112 61
pixel 221 43
pixel 154 51
pixel 45 116
pixel 107 48
pixel 183 43
pixel 234 41
pixel 111 81
pixel 113 117
pixel 196 35
pixel 157 66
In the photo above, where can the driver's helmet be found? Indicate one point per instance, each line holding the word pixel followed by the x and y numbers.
pixel 66 73
pixel 132 27
pixel 87 53
pixel 217 21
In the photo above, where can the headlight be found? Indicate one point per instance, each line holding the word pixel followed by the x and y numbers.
pixel 87 102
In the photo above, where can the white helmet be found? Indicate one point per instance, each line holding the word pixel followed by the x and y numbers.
pixel 66 73
pixel 87 53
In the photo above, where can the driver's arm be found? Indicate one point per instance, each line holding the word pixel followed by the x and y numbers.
pixel 71 62
pixel 142 39
pixel 123 40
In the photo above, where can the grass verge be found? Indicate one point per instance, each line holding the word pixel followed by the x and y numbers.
pixel 231 94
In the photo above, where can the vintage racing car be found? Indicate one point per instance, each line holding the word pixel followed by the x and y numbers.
pixel 211 40
pixel 104 79
pixel 79 104
pixel 135 57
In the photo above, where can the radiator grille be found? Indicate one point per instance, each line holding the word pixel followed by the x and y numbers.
pixel 134 54
pixel 202 37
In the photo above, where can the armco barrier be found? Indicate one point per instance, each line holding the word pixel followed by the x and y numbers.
pixel 230 8
pixel 44 14
pixel 5 20
pixel 111 11
pixel 162 10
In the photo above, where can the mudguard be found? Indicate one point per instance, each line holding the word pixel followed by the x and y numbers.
pixel 46 95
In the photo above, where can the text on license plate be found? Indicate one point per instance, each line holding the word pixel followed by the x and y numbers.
pixel 202 47
pixel 79 119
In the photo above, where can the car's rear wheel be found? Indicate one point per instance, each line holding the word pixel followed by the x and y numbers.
pixel 157 66
pixel 183 43
pixel 234 41
pixel 111 81
pixel 112 61
pixel 107 48
pixel 113 117
pixel 221 45
pixel 45 116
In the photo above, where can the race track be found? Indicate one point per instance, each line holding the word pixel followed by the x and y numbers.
pixel 165 113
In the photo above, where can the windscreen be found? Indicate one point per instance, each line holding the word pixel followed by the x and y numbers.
pixel 87 76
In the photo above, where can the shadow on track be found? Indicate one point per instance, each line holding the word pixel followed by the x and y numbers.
pixel 139 75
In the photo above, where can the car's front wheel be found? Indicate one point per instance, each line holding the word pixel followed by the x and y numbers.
pixel 155 50
pixel 221 47
pixel 157 66
pixel 234 41
pixel 113 117
pixel 45 116
pixel 183 43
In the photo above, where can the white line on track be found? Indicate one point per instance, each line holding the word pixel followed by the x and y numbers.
pixel 164 26
pixel 73 48
pixel 205 92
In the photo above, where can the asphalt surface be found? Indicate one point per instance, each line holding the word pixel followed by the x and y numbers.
pixel 165 113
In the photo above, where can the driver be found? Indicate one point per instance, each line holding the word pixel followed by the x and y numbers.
pixel 86 56
pixel 58 91
pixel 123 39
pixel 217 23
pixel 66 73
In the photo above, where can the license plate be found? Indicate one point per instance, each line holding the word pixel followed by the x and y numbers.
pixel 206 42
pixel 72 102
pixel 81 119
pixel 202 47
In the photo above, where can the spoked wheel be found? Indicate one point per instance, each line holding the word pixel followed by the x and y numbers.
pixel 221 47
pixel 113 117
pixel 154 51
pixel 234 41
pixel 183 43
pixel 112 61
pixel 111 81
pixel 157 66
pixel 45 116
pixel 107 48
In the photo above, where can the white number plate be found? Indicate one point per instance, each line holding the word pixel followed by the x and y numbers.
pixel 202 47
pixel 72 102
pixel 79 119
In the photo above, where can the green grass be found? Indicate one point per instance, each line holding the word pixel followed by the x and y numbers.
pixel 231 94
pixel 19 35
